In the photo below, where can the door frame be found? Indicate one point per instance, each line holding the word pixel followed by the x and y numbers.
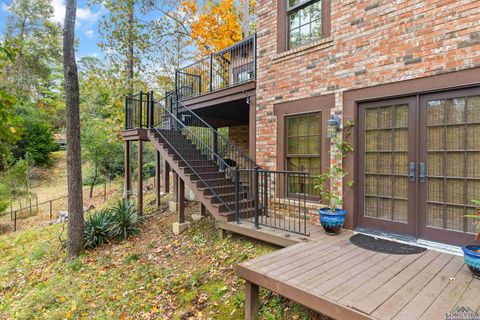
pixel 410 228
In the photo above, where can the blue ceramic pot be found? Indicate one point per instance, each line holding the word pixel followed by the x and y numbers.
pixel 472 259
pixel 332 221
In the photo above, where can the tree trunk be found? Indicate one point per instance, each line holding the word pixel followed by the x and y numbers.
pixel 130 54
pixel 75 238
pixel 94 180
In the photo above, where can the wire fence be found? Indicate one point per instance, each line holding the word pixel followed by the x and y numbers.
pixel 37 212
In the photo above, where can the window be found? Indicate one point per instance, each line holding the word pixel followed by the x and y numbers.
pixel 304 19
pixel 303 144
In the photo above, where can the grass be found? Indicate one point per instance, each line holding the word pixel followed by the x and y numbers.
pixel 153 276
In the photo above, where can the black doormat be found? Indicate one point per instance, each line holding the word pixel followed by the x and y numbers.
pixel 384 246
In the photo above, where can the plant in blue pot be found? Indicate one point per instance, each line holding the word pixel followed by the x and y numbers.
pixel 471 253
pixel 332 218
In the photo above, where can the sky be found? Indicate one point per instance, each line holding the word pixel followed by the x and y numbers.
pixel 87 24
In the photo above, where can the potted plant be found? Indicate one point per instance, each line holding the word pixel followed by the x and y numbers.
pixel 332 218
pixel 471 253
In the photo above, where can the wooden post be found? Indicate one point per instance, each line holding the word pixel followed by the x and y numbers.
pixel 166 177
pixel 157 179
pixel 175 187
pixel 140 178
pixel 15 221
pixel 203 210
pixel 128 170
pixel 251 301
pixel 214 144
pixel 181 200
pixel 51 209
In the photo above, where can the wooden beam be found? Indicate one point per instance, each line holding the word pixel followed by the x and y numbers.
pixel 175 187
pixel 166 176
pixel 158 179
pixel 181 200
pixel 128 169
pixel 252 301
pixel 140 177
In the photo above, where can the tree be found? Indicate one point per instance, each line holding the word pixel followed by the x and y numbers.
pixel 218 24
pixel 37 44
pixel 101 150
pixel 125 38
pixel 75 238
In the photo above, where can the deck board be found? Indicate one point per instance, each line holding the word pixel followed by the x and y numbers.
pixel 336 278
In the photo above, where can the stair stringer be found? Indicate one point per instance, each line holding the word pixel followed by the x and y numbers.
pixel 174 164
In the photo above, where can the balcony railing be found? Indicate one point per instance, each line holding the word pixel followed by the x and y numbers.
pixel 230 67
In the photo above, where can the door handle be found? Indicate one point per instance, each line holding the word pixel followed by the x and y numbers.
pixel 411 172
pixel 421 169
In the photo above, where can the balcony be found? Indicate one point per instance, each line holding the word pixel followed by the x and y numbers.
pixel 231 67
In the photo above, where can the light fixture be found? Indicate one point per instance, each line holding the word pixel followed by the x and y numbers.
pixel 333 126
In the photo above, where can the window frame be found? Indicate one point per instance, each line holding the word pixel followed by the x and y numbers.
pixel 283 25
pixel 296 8
pixel 319 155
pixel 319 104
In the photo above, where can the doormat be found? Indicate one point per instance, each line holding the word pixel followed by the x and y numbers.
pixel 384 246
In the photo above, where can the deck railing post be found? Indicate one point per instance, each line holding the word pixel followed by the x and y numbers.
pixel 152 111
pixel 256 181
pixel 211 72
pixel 126 113
pixel 140 110
pixel 265 193
pixel 237 194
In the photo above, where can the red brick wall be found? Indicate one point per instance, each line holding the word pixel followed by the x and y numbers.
pixel 239 136
pixel 371 43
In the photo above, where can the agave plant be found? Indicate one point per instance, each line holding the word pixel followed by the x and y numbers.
pixel 125 220
pixel 97 229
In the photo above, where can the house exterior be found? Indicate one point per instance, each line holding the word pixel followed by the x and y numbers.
pixel 405 73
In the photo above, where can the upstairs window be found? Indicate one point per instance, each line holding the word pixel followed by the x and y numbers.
pixel 304 19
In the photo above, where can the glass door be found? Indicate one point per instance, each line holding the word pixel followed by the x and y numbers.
pixel 387 177
pixel 449 165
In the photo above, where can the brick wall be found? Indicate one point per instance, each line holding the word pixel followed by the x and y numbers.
pixel 239 136
pixel 371 43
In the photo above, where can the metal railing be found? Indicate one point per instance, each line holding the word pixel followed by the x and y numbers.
pixel 262 197
pixel 226 68
pixel 276 205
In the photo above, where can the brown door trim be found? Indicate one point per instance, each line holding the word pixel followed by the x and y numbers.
pixel 352 98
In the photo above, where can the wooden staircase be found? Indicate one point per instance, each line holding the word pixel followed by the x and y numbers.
pixel 212 187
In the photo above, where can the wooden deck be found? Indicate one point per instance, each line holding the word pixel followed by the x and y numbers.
pixel 330 275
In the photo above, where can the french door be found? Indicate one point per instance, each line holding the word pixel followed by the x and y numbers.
pixel 420 165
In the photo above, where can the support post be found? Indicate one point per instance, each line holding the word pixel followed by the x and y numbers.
pixel 203 210
pixel 180 225
pixel 214 144
pixel 157 179
pixel 128 170
pixel 166 177
pixel 252 302
pixel 140 178
pixel 175 187
pixel 181 200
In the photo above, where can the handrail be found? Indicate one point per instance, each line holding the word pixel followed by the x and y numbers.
pixel 234 146
pixel 194 135
pixel 172 116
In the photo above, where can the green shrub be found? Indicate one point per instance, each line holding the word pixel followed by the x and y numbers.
pixel 97 229
pixel 124 220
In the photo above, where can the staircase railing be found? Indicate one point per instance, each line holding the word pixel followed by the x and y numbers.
pixel 262 197
pixel 200 134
